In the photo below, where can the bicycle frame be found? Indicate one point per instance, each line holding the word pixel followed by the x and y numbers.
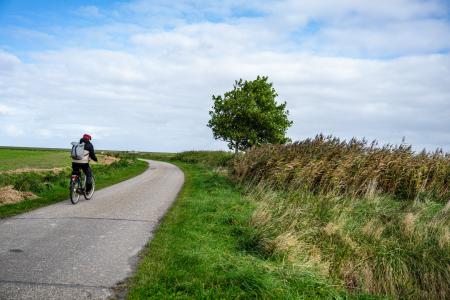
pixel 80 183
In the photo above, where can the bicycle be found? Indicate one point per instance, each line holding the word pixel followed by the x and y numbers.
pixel 78 188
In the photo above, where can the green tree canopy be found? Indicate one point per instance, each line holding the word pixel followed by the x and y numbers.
pixel 249 115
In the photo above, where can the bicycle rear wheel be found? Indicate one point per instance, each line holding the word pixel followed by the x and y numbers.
pixel 74 195
pixel 89 195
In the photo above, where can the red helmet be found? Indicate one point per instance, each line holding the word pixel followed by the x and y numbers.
pixel 87 137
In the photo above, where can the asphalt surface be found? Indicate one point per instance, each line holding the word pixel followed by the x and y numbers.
pixel 66 251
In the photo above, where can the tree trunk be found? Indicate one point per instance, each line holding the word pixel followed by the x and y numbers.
pixel 236 148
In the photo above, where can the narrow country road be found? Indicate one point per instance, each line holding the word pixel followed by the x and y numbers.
pixel 66 251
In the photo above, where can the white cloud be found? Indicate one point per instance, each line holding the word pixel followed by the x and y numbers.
pixel 158 103
pixel 7 61
pixel 154 91
pixel 351 9
pixel 412 37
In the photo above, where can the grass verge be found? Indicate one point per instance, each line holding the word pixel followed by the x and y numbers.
pixel 376 245
pixel 205 248
pixel 52 188
pixel 11 159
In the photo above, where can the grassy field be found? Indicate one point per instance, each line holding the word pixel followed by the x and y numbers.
pixel 209 159
pixel 206 248
pixel 247 236
pixel 11 159
pixel 51 187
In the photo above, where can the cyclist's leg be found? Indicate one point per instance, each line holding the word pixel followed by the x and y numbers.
pixel 88 172
pixel 76 169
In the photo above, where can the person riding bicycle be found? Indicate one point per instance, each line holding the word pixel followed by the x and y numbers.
pixel 83 163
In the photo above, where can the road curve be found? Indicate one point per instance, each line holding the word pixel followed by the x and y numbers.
pixel 66 251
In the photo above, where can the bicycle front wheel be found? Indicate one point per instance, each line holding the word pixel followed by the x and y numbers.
pixel 74 195
pixel 89 195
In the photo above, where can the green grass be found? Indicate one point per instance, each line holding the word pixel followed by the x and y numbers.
pixel 373 244
pixel 11 159
pixel 205 248
pixel 163 156
pixel 53 188
pixel 211 159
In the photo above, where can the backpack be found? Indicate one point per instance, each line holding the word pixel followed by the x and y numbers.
pixel 77 150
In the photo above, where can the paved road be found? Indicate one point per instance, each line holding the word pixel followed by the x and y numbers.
pixel 66 251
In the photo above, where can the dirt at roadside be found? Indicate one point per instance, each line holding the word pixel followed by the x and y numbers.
pixel 9 195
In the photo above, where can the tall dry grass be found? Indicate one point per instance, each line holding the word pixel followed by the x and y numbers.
pixel 329 165
pixel 376 219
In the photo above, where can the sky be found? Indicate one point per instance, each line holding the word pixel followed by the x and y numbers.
pixel 140 75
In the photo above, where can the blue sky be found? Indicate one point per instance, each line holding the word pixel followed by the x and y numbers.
pixel 145 70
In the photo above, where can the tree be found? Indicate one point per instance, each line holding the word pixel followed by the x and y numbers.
pixel 249 115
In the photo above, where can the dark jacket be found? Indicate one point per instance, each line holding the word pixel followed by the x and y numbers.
pixel 88 153
pixel 90 148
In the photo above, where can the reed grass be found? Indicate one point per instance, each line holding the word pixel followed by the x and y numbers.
pixel 375 219
pixel 329 165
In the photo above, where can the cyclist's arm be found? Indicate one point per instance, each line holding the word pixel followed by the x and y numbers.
pixel 92 153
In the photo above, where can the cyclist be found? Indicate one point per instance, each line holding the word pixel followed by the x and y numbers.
pixel 83 163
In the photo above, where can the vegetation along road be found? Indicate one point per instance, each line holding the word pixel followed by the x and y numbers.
pixel 64 251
